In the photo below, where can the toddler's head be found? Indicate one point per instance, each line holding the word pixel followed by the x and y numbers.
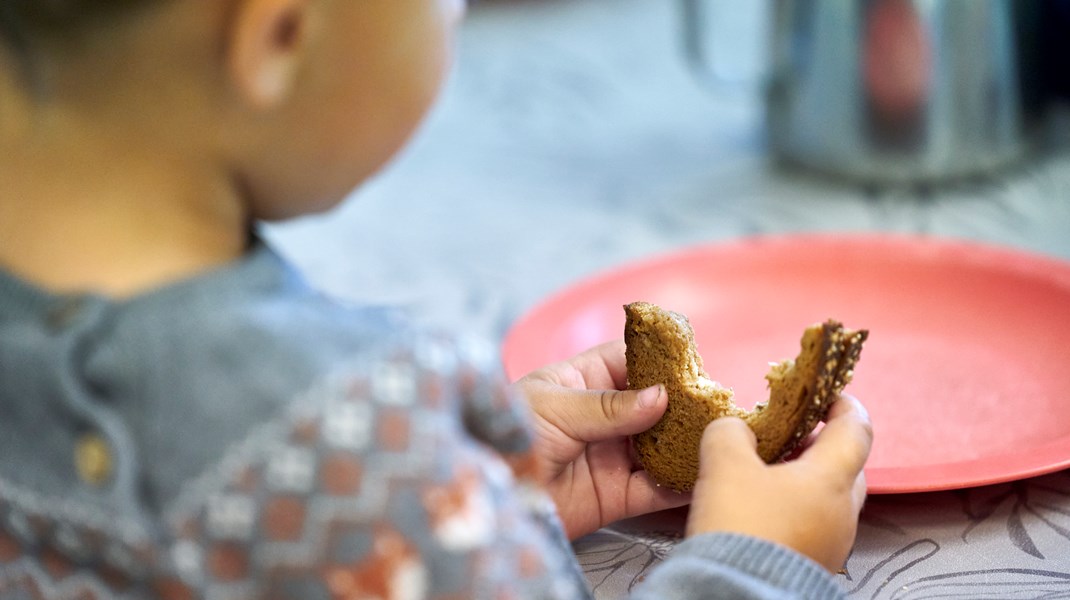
pixel 297 101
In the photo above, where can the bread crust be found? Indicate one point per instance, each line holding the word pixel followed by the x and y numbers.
pixel 661 349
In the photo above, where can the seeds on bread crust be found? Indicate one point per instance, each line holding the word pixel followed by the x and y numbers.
pixel 661 349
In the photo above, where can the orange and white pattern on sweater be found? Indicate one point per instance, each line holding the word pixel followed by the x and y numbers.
pixel 385 480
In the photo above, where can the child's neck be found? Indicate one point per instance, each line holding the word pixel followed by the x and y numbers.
pixel 95 211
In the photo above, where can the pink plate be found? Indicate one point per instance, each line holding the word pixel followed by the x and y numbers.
pixel 966 372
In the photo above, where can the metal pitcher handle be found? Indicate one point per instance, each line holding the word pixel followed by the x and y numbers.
pixel 701 58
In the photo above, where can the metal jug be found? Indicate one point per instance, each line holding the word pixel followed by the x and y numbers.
pixel 895 91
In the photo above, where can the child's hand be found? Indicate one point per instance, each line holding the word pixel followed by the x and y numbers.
pixel 581 425
pixel 810 504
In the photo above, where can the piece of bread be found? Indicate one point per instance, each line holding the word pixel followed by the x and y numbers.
pixel 661 349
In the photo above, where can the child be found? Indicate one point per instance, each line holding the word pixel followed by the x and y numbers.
pixel 181 417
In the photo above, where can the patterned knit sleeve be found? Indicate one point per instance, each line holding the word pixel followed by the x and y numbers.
pixel 385 481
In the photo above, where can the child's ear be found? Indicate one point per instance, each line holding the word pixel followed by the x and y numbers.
pixel 265 45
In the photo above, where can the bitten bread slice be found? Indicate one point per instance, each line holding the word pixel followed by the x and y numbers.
pixel 661 349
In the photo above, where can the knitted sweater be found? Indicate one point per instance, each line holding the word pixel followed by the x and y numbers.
pixel 238 435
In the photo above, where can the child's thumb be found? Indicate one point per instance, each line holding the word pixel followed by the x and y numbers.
pixel 727 439
pixel 593 416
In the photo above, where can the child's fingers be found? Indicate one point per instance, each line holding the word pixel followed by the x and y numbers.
pixel 845 404
pixel 603 367
pixel 846 439
pixel 727 440
pixel 611 356
pixel 859 490
pixel 645 496
pixel 597 415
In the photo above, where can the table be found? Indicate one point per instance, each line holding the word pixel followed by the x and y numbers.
pixel 573 138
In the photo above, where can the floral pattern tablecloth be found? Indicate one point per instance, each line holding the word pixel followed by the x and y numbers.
pixel 1002 541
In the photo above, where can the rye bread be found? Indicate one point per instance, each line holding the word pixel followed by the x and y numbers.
pixel 661 349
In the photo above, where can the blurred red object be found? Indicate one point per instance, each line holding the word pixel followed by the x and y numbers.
pixel 897 59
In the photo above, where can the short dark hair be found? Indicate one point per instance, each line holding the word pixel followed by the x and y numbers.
pixel 27 24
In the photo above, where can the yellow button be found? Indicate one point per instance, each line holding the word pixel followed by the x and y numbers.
pixel 92 458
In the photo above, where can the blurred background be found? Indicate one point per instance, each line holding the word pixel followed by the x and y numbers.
pixel 576 135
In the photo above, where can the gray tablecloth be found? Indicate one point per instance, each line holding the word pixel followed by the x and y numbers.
pixel 572 139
